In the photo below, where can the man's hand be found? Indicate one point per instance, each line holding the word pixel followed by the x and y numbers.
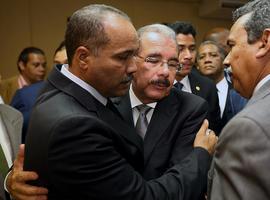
pixel 206 138
pixel 17 178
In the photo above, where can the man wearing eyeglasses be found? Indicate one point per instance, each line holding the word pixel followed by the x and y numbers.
pixel 174 116
pixel 157 63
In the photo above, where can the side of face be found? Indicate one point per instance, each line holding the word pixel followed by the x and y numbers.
pixel 187 52
pixel 110 72
pixel 35 68
pixel 209 60
pixel 242 58
pixel 60 57
pixel 153 82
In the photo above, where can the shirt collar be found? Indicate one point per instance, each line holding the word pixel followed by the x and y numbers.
pixel 261 83
pixel 22 82
pixel 134 101
pixel 84 85
pixel 222 85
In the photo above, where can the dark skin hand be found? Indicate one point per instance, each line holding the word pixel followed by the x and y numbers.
pixel 17 178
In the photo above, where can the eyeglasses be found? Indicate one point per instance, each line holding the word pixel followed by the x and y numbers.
pixel 153 61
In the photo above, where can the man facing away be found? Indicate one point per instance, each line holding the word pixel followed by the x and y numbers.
pixel 241 161
pixel 92 153
pixel 32 68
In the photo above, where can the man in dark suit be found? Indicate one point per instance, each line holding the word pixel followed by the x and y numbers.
pixel 210 63
pixel 189 77
pixel 82 149
pixel 174 117
pixel 25 98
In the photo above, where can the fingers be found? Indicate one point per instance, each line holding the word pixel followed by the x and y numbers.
pixel 18 163
pixel 204 127
pixel 25 176
pixel 16 181
pixel 19 190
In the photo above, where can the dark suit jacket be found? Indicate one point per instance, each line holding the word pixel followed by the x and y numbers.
pixel 24 100
pixel 82 150
pixel 234 103
pixel 206 88
pixel 171 131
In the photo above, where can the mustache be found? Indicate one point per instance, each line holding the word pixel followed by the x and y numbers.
pixel 127 79
pixel 164 82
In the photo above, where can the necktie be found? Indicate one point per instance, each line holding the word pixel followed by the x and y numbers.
pixel 142 123
pixel 3 163
pixel 111 106
pixel 178 85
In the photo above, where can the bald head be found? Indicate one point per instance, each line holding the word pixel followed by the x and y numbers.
pixel 218 35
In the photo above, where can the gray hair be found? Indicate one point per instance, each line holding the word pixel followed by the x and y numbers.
pixel 259 18
pixel 157 28
pixel 85 28
pixel 221 50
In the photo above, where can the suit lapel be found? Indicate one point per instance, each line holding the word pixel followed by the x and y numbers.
pixel 124 107
pixel 194 84
pixel 261 93
pixel 13 121
pixel 90 103
pixel 162 118
pixel 227 113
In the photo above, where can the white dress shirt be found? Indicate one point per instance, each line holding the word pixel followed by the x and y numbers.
pixel 134 101
pixel 222 87
pixel 5 142
pixel 84 85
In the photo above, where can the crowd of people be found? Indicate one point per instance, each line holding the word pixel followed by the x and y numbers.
pixel 140 114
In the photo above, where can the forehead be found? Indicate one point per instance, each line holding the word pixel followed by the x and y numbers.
pixel 152 42
pixel 238 30
pixel 208 48
pixel 121 32
pixel 34 57
pixel 183 39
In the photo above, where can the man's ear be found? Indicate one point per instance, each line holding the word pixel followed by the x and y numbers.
pixel 82 55
pixel 264 46
pixel 21 65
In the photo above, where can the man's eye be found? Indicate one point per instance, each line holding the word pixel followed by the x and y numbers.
pixel 173 64
pixel 201 57
pixel 214 55
pixel 123 57
pixel 152 60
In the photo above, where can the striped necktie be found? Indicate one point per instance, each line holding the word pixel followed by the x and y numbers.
pixel 142 123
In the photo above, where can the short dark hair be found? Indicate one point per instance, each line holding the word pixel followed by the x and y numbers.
pixel 183 28
pixel 24 55
pixel 85 28
pixel 259 18
pixel 61 46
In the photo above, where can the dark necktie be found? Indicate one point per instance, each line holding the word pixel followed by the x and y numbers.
pixel 178 85
pixel 142 123
pixel 112 107
pixel 3 163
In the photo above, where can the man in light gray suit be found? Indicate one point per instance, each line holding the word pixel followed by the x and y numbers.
pixel 241 162
pixel 10 137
